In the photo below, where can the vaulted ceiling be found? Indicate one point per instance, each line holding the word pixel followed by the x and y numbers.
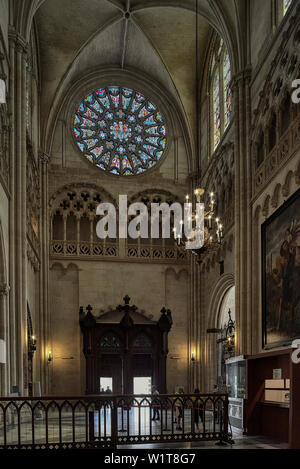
pixel 75 36
pixel 153 37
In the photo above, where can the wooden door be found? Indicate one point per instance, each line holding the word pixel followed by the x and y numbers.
pixel 110 366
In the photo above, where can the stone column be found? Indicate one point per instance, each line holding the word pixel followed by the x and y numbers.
pixel 195 316
pixel 18 227
pixel 44 320
pixel 243 185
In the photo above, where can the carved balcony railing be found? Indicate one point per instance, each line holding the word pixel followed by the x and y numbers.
pixel 83 249
pixel 108 250
pixel 109 421
pixel 287 145
pixel 172 253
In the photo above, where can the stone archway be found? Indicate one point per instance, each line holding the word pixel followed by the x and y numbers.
pixel 227 304
pixel 221 289
pixel 4 289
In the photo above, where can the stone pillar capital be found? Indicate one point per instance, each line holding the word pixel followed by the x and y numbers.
pixel 18 40
pixel 4 289
pixel 243 76
pixel 44 158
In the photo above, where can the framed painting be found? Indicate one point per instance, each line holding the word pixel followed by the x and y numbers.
pixel 281 275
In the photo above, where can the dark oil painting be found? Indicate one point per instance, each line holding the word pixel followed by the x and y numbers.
pixel 281 275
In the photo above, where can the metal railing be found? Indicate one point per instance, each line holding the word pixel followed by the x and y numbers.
pixel 107 421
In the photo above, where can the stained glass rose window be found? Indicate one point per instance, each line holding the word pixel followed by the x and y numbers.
pixel 120 131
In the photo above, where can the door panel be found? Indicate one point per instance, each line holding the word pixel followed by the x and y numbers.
pixel 111 366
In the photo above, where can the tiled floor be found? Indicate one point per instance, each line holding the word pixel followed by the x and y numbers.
pixel 240 442
pixel 139 423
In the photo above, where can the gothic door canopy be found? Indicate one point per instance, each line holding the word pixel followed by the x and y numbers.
pixel 124 343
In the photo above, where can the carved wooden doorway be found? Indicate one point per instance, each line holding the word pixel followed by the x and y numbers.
pixel 124 344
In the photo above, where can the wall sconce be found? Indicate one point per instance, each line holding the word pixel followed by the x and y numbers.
pixel 193 359
pixel 49 356
pixel 32 345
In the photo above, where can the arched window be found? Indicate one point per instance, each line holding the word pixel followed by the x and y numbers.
pixel 221 102
pixel 286 6
pixel 216 109
pixel 226 313
pixel 227 90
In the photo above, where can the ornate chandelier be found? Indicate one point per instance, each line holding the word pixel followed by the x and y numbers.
pixel 213 228
pixel 212 235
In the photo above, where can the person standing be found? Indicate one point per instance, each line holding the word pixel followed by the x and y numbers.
pixel 155 404
pixel 198 409
pixel 179 404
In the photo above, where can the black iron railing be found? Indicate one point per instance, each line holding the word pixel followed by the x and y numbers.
pixel 107 421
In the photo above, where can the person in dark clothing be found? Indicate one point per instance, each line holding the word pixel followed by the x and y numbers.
pixel 155 404
pixel 198 409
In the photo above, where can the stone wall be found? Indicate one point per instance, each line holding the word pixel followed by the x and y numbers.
pixel 103 285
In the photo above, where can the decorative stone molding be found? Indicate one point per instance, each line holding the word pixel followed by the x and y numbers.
pixel 287 146
pixel 219 178
pixel 33 192
pixel 276 121
pixel 154 195
pixel 221 287
pixel 110 251
pixel 96 192
pixel 287 185
pixel 80 201
pixel 265 209
pixel 4 144
pixel 212 259
pixel 4 289
pixel 19 42
pixel 297 174
pixel 83 250
pixel 275 198
pixel 33 258
pixel 44 158
pixel 177 274
pixel 280 193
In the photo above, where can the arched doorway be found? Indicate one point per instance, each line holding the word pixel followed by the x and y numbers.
pixel 225 344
